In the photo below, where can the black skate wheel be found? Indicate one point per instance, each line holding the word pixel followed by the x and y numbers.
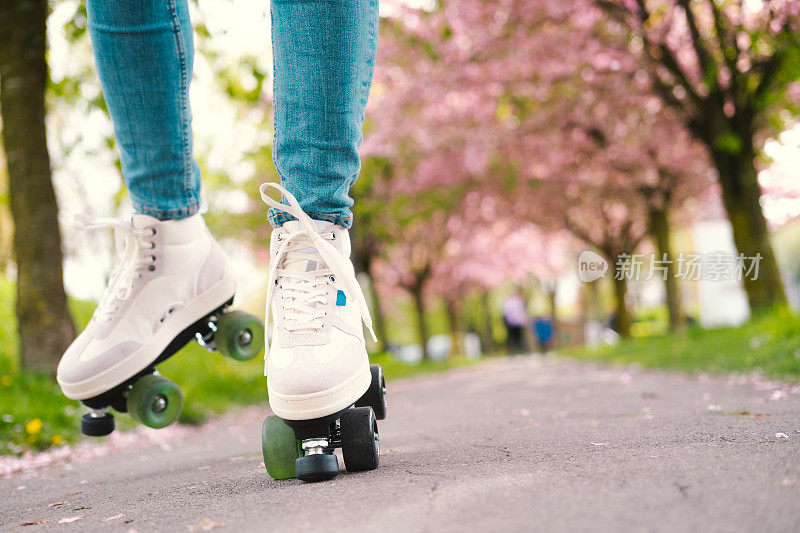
pixel 375 396
pixel 97 426
pixel 360 442
pixel 316 467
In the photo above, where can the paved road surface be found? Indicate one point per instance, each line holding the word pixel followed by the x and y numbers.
pixel 509 444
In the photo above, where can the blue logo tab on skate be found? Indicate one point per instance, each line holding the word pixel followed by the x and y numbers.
pixel 341 299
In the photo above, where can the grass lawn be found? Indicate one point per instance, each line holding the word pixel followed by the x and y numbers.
pixel 769 345
pixel 35 415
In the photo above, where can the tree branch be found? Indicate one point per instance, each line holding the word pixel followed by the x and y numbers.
pixel 707 64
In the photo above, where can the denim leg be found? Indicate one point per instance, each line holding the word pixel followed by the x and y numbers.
pixel 144 52
pixel 324 53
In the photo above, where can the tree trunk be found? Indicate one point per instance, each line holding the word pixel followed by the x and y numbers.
pixel 623 325
pixel 422 325
pixel 659 231
pixel 550 292
pixel 378 318
pixel 363 260
pixel 486 330
pixel 741 195
pixel 594 310
pixel 45 325
pixel 453 319
pixel 551 300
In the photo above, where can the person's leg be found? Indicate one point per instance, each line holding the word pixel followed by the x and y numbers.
pixel 324 56
pixel 511 337
pixel 317 363
pixel 143 50
pixel 517 339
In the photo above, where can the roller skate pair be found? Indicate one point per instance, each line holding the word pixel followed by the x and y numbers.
pixel 173 283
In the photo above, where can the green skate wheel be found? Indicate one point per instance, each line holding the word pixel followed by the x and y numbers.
pixel 155 401
pixel 280 448
pixel 239 335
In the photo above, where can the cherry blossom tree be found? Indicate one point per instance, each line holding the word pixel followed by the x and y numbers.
pixel 646 156
pixel 729 69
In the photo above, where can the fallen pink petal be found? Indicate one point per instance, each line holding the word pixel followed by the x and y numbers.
pixel 71 519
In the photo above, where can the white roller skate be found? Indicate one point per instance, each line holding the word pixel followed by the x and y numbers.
pixel 317 365
pixel 171 283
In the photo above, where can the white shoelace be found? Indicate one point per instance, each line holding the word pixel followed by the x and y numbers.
pixel 131 258
pixel 304 293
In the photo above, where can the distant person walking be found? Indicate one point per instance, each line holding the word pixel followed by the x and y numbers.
pixel 543 330
pixel 515 317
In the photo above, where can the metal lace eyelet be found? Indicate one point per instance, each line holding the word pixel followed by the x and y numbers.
pixel 276 281
pixel 333 236
pixel 152 245
pixel 153 230
pixel 333 279
pixel 151 268
pixel 279 237
pixel 152 259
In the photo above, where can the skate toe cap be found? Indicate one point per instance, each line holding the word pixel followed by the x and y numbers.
pixel 307 375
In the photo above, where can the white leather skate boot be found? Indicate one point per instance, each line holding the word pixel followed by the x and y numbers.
pixel 168 275
pixel 317 363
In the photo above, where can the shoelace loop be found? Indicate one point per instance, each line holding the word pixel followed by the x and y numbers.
pixel 132 257
pixel 304 292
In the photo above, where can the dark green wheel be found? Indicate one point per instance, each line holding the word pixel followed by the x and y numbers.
pixel 155 401
pixel 280 447
pixel 239 335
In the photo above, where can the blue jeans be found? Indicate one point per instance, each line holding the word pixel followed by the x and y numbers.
pixel 324 56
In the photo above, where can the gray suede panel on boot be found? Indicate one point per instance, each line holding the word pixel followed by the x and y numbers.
pixel 213 268
pixel 71 370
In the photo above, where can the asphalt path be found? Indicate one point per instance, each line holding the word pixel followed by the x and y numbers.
pixel 511 444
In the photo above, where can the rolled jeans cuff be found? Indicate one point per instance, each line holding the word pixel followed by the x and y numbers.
pixel 168 214
pixel 277 218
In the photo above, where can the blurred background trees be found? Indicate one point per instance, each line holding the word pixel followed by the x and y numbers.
pixel 501 139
